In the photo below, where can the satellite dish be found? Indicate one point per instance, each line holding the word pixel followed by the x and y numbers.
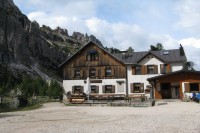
pixel 191 64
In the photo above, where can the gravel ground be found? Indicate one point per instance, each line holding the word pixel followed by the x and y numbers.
pixel 173 117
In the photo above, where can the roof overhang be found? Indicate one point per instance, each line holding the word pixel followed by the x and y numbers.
pixel 184 75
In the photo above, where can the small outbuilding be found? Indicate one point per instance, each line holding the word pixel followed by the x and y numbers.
pixel 175 85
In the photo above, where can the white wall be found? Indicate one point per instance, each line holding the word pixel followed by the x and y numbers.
pixel 119 89
pixel 176 66
pixel 149 60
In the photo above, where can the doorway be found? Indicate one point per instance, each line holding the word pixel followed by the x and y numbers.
pixel 166 91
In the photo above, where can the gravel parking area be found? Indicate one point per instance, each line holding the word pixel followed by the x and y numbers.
pixel 173 117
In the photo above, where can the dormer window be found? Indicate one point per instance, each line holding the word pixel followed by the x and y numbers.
pixel 166 52
pixel 92 55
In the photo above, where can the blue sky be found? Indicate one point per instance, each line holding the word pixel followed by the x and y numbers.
pixel 124 23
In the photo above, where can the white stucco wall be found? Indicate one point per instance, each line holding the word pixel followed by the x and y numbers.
pixel 119 89
pixel 149 60
pixel 176 66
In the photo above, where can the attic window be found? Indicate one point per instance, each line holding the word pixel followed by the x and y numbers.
pixel 165 52
pixel 92 55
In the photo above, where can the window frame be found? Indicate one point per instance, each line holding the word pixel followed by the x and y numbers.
pixel 92 55
pixel 78 87
pixel 138 70
pixel 108 87
pixel 150 69
pixel 93 89
pixel 107 73
pixel 137 86
pixel 92 72
pixel 77 72
pixel 191 85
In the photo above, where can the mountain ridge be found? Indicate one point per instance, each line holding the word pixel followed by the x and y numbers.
pixel 40 49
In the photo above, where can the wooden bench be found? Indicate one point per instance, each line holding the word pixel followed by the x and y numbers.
pixel 77 98
pixel 135 96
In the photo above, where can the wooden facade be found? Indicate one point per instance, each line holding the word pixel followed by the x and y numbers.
pixel 181 77
pixel 94 62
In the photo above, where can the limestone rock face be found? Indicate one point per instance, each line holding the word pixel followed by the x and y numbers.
pixel 26 43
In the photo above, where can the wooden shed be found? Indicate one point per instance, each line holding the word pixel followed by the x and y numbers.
pixel 175 84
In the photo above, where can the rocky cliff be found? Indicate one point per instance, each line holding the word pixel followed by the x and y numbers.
pixel 27 47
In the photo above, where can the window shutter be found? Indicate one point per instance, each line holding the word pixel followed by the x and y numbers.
pixel 72 89
pixel 141 87
pixel 144 69
pixel 88 57
pixel 112 72
pixel 87 72
pixel 97 89
pixel 162 68
pixel 81 73
pixel 155 69
pixel 133 70
pixel 113 88
pixel 96 57
pixel 132 87
pixel 82 90
pixel 73 73
pixel 103 89
pixel 97 72
pixel 103 72
pixel 187 87
pixel 168 68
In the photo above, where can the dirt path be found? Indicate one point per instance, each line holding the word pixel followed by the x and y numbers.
pixel 57 118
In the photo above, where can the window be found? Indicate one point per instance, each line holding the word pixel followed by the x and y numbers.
pixel 137 88
pixel 94 89
pixel 163 68
pixel 77 89
pixel 150 69
pixel 108 72
pixel 194 87
pixel 92 55
pixel 138 70
pixel 109 89
pixel 77 72
pixel 92 72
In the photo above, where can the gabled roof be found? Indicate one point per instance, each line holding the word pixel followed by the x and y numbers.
pixel 172 55
pixel 135 57
pixel 87 44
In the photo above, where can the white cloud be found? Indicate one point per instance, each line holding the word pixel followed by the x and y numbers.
pixel 192 42
pixel 189 13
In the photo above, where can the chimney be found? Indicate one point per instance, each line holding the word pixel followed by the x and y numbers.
pixel 182 52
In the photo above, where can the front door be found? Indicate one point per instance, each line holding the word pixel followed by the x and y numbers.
pixel 166 91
